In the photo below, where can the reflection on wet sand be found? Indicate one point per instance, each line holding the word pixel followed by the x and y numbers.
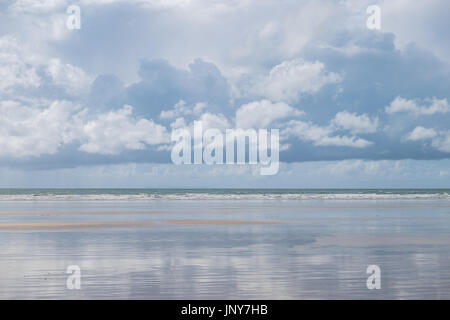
pixel 38 225
pixel 220 222
pixel 383 240
pixel 266 250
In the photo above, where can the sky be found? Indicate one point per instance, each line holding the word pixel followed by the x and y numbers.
pixel 95 106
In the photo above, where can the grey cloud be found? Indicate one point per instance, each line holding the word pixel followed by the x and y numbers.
pixel 162 86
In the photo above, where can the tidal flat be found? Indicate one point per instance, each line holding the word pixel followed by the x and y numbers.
pixel 222 249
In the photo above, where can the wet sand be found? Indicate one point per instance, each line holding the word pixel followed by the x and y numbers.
pixel 225 250
pixel 221 222
pixel 58 225
pixel 383 240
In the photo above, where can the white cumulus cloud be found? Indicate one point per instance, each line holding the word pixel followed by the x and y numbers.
pixel 421 133
pixel 355 123
pixel 19 69
pixel 37 6
pixel 72 78
pixel 260 114
pixel 440 140
pixel 181 109
pixel 288 80
pixel 34 131
pixel 116 131
pixel 411 106
pixel 15 68
pixel 321 136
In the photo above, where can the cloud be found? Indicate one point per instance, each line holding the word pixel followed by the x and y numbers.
pixel 260 114
pixel 182 69
pixel 36 6
pixel 15 68
pixel 355 123
pixel 43 128
pixel 421 133
pixel 349 167
pixel 312 174
pixel 288 80
pixel 439 140
pixel 442 142
pixel 31 131
pixel 181 109
pixel 210 120
pixel 40 6
pixel 321 136
pixel 73 79
pixel 410 106
pixel 430 17
pixel 24 74
pixel 163 85
pixel 107 92
pixel 116 131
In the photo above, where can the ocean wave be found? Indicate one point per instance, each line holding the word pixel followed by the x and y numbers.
pixel 230 196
